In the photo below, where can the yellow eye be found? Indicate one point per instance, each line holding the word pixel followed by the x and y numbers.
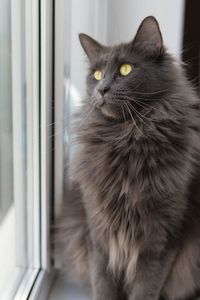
pixel 125 69
pixel 98 74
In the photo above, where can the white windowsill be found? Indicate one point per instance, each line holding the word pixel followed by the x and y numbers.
pixel 7 249
pixel 63 291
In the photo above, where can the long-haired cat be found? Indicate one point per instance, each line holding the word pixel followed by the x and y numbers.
pixel 132 228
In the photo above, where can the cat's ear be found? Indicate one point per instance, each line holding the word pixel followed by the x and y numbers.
pixel 91 47
pixel 148 38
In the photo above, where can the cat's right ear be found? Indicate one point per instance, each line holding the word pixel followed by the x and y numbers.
pixel 91 47
pixel 148 38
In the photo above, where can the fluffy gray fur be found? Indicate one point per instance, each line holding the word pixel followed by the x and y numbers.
pixel 132 229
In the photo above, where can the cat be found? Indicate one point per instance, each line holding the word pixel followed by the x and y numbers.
pixel 131 229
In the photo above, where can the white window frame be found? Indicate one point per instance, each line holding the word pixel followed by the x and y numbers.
pixel 23 277
pixel 34 281
pixel 32 199
pixel 46 275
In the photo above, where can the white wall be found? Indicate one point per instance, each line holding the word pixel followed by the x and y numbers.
pixel 88 16
pixel 124 17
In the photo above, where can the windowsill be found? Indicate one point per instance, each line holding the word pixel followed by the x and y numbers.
pixel 63 291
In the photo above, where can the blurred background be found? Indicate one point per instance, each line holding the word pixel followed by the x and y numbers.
pixel 42 81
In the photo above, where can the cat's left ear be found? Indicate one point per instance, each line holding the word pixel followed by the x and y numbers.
pixel 91 47
pixel 148 38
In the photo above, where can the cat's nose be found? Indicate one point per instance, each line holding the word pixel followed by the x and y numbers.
pixel 103 90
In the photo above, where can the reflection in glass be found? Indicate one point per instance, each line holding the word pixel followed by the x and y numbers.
pixel 12 148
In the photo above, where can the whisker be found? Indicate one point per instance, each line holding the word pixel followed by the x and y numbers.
pixel 57 133
pixel 130 94
pixel 145 105
pixel 140 103
pixel 148 93
pixel 124 116
pixel 85 115
pixel 143 116
pixel 140 116
pixel 133 119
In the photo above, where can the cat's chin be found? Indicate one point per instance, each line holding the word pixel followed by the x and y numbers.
pixel 109 112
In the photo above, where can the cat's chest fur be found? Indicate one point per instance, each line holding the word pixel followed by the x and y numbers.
pixel 117 165
pixel 112 173
pixel 121 173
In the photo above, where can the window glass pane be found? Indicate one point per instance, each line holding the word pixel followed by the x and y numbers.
pixel 7 211
pixel 6 171
pixel 18 195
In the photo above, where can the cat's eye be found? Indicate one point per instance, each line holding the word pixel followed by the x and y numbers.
pixel 98 74
pixel 125 69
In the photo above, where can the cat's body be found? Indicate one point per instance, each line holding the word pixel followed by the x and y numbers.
pixel 134 231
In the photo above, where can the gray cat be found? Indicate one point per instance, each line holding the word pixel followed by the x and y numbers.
pixel 132 229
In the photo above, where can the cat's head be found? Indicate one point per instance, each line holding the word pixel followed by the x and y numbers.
pixel 123 78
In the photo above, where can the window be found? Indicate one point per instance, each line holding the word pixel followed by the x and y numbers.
pixel 13 143
pixel 19 165
pixel 24 137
